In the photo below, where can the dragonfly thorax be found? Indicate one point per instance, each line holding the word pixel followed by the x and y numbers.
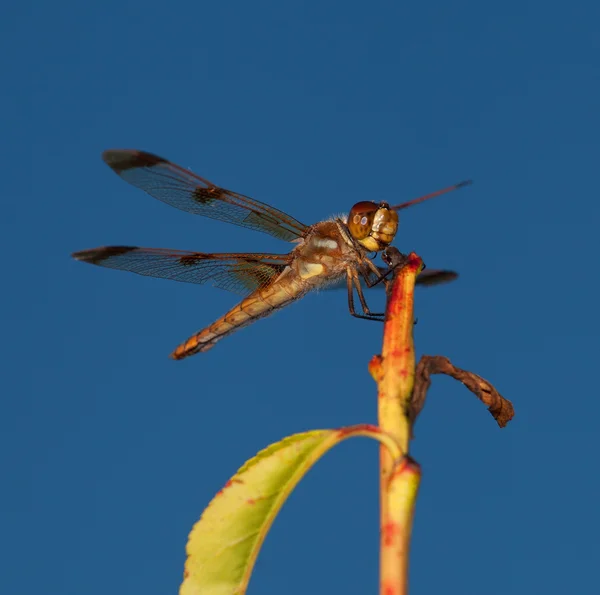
pixel 373 225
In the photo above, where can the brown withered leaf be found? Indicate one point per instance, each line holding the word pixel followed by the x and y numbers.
pixel 501 409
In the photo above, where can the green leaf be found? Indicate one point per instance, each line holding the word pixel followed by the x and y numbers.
pixel 223 545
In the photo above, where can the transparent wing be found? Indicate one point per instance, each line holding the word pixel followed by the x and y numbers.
pixel 427 278
pixel 187 191
pixel 239 273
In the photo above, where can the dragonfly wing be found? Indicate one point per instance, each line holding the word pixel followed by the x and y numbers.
pixel 427 278
pixel 240 273
pixel 436 277
pixel 181 188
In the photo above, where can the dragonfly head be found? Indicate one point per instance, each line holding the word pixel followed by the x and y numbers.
pixel 373 225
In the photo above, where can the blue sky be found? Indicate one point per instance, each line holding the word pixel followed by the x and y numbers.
pixel 110 450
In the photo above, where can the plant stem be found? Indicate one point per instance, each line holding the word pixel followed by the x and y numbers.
pixel 397 513
pixel 394 372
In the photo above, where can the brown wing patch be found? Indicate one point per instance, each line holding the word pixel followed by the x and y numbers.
pixel 122 160
pixel 205 196
pixel 190 260
pixel 435 277
pixel 97 255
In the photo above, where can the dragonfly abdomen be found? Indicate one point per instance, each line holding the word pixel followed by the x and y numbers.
pixel 258 304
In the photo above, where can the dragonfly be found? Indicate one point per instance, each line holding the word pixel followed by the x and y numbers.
pixel 337 252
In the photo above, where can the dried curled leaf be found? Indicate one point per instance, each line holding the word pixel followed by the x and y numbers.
pixel 501 409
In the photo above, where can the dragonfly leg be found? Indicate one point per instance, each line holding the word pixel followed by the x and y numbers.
pixel 352 281
pixel 361 297
pixel 379 276
pixel 394 260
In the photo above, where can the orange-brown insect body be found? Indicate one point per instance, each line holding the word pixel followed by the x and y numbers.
pixel 326 252
pixel 323 257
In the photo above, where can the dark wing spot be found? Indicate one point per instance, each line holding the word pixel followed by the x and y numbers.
pixel 207 195
pixel 97 255
pixel 190 260
pixel 121 160
pixel 435 277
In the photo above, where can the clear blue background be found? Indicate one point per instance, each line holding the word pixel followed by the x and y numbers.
pixel 110 450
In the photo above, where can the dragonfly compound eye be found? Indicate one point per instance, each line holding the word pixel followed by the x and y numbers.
pixel 373 225
pixel 360 219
